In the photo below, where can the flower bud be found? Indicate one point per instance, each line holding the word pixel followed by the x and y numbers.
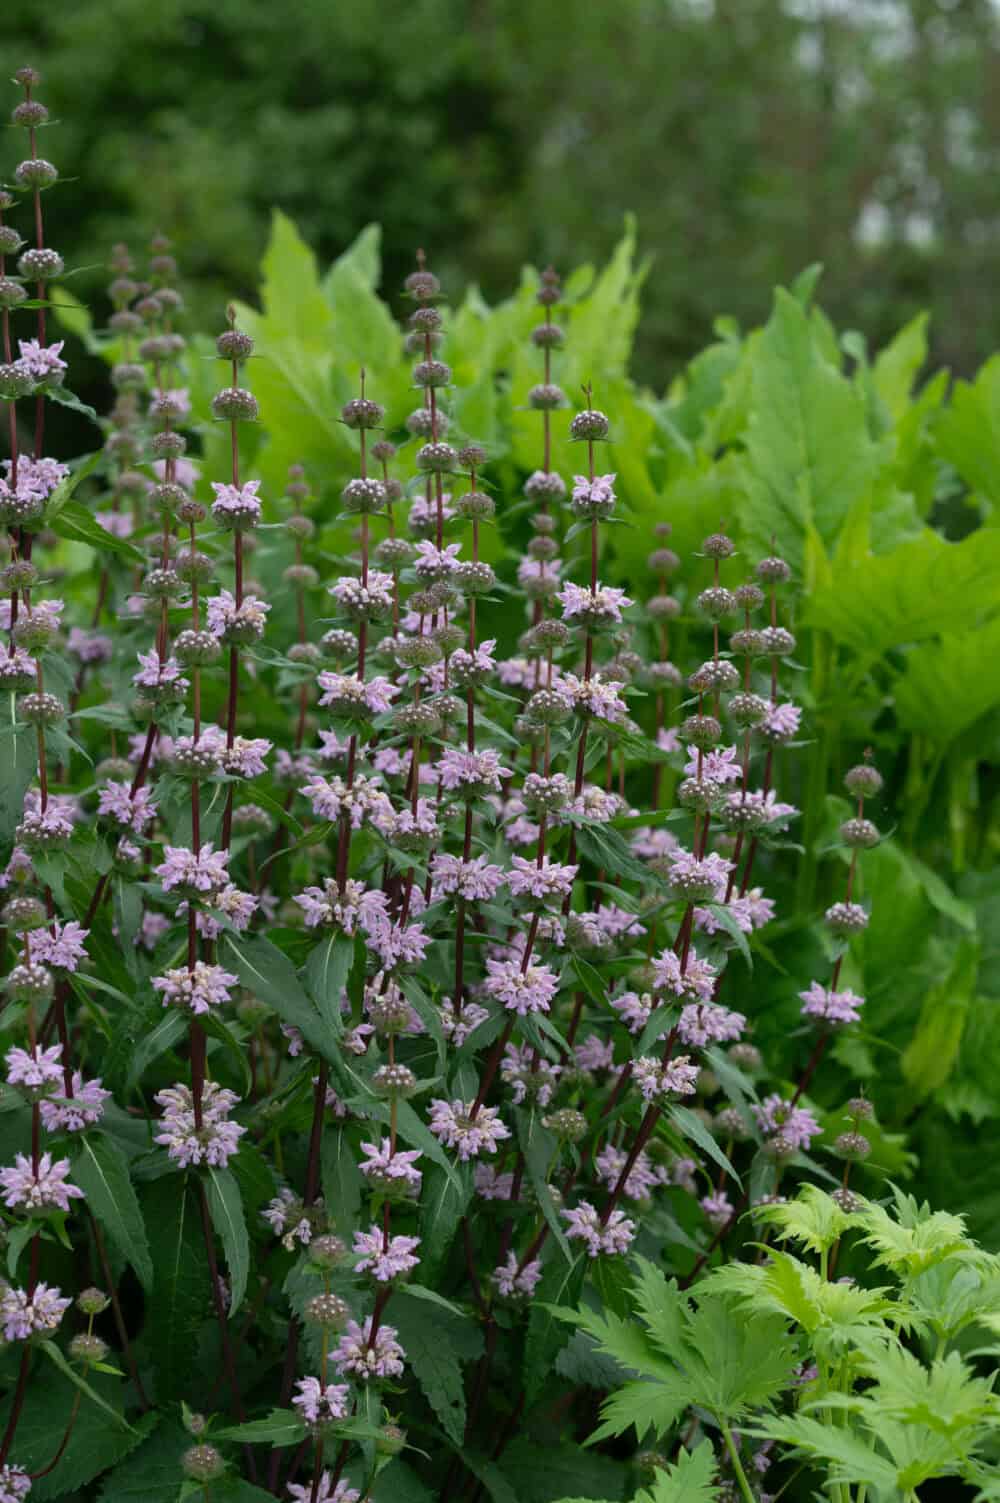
pixel 88 1349
pixel 701 730
pixel 235 405
pixel 431 373
pixel 41 265
pixel 24 914
pixel 863 781
pixel 361 413
pixel 41 709
pixel 36 172
pixel 546 397
pixel 773 571
pixel 327 1311
pixel 92 1301
pixel 716 602
pixel 662 607
pixel 233 344
pixel 394 1081
pixel 436 458
pixel 859 833
pixel 568 1124
pixel 718 545
pixel 202 1463
pixel 363 496
pixel 589 425
pixel 852 1145
pixel 777 642
pixel 29 983
pixel 196 648
pixel 327 1252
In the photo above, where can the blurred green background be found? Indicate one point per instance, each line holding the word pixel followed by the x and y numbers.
pixel 750 137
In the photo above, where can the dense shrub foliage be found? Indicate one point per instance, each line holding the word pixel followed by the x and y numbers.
pixel 498 897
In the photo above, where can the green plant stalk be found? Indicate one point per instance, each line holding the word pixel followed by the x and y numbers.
pixel 737 1465
pixel 816 778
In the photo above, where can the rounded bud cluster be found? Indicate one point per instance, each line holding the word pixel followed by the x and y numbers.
pixel 748 642
pixel 15 381
pixel 363 496
pixel 545 485
pixel 233 344
pixel 118 769
pixel 546 795
pixel 41 265
pixel 730 1124
pixel 202 1463
pixel 339 642
pixel 773 571
pixel 863 781
pixel 425 320
pixel 436 458
pixel 92 1301
pixel 717 673
pixel 778 1146
pixel 718 545
pixel 327 1251
pixel 547 707
pixel 547 336
pixel 701 731
pixel 300 527
pixel 29 114
pixel 567 1123
pixel 846 918
pixel 11 293
pixel 549 292
pixel 234 404
pixel 199 760
pixel 24 914
pixel 662 675
pixel 747 709
pixel 362 413
pixel 475 506
pixel 417 720
pixel 749 597
pixel 429 373
pixel 548 633
pixel 193 564
pixel 42 709
pixel 589 425
pixel 546 397
pixel 128 376
pixel 302 576
pixel 328 1311
pixel 663 561
pixel 88 1349
pixel 36 172
pixel 168 445
pixel 716 602
pixel 10 240
pixel 196 648
pixel 422 285
pixel 393 553
pixel 166 409
pixel 394 1081
pixel 746 1056
pixel 860 1108
pixel 422 423
pixel 304 652
pixel 162 584
pixel 663 607
pixel 777 642
pixel 417 652
pixel 29 983
pixel 473 578
pixel 852 1145
pixel 390 1013
pixel 390 1440
pixel 859 833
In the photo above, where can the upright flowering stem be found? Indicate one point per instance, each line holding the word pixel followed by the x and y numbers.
pixel 235 405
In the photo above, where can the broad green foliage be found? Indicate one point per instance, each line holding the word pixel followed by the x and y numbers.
pixel 883 1402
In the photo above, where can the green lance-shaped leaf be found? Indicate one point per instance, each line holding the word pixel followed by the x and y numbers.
pixel 101 1171
pixel 226 1207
